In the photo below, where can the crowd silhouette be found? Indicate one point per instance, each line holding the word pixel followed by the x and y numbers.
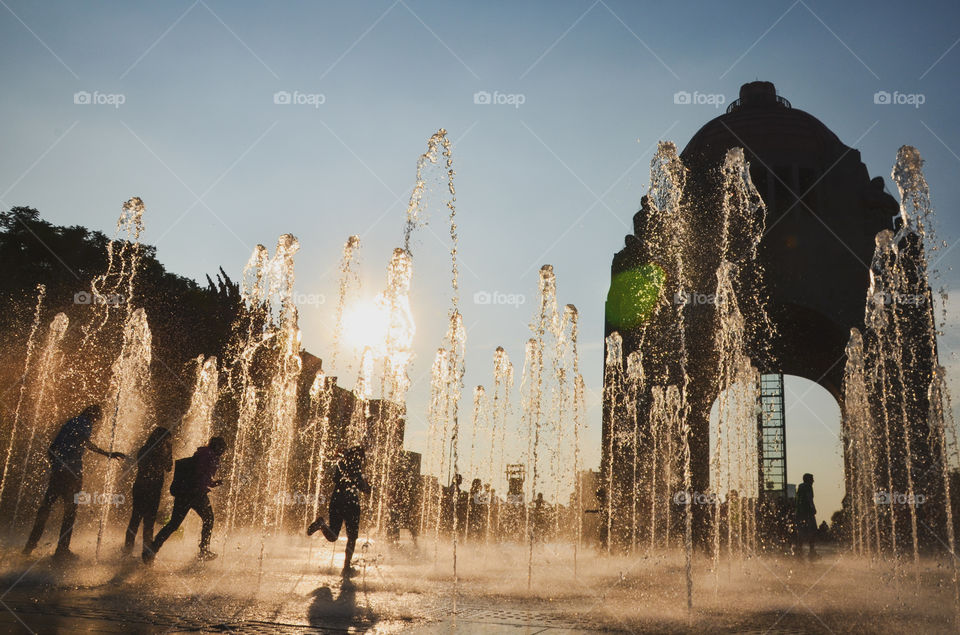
pixel 420 505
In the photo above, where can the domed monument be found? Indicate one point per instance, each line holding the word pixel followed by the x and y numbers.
pixel 756 243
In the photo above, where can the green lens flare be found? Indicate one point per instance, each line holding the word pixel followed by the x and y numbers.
pixel 633 295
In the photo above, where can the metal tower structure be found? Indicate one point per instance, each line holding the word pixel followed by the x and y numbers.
pixel 772 437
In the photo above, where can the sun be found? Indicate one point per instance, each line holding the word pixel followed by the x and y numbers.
pixel 365 325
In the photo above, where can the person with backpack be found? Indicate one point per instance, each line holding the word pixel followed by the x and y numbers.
pixel 348 483
pixel 192 480
pixel 154 460
pixel 66 477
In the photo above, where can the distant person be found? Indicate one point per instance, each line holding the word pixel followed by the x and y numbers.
pixel 449 504
pixel 154 460
pixel 192 480
pixel 806 516
pixel 539 525
pixel 823 532
pixel 734 515
pixel 601 509
pixel 476 509
pixel 66 477
pixel 348 484
pixel 493 516
pixel 463 502
pixel 405 494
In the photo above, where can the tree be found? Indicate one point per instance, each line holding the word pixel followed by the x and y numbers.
pixel 186 319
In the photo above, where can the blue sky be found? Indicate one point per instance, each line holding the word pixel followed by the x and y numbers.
pixel 555 180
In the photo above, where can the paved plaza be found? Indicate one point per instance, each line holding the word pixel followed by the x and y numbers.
pixel 295 588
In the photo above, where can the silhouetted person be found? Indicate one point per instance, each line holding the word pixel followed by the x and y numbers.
pixel 463 502
pixel 154 460
pixel 806 515
pixel 476 509
pixel 493 515
pixel 539 525
pixel 348 484
pixel 734 515
pixel 405 502
pixel 602 510
pixel 192 480
pixel 451 496
pixel 66 477
pixel 823 532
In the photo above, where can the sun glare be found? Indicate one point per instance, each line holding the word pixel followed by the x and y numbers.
pixel 365 325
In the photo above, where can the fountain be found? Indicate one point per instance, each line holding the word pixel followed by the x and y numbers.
pixel 41 292
pixel 125 407
pixel 49 367
pixel 263 373
pixel 500 412
pixel 197 425
pixel 722 280
pixel 679 489
pixel 112 300
pixel 318 429
pixel 896 426
pixel 348 287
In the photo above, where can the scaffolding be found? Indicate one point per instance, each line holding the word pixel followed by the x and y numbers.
pixel 772 437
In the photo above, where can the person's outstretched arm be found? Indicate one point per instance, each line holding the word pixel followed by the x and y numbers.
pixel 94 448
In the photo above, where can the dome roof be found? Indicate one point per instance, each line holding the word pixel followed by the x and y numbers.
pixel 765 125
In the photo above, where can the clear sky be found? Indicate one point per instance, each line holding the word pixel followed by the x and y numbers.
pixel 554 179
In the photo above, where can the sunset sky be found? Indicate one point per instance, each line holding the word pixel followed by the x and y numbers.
pixel 184 104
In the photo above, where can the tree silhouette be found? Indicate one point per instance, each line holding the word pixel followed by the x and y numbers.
pixel 186 319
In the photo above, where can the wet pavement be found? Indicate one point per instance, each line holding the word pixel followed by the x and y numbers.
pixel 291 585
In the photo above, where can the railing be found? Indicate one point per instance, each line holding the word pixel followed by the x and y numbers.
pixel 736 103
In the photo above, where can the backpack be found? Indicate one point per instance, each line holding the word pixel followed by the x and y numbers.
pixel 184 477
